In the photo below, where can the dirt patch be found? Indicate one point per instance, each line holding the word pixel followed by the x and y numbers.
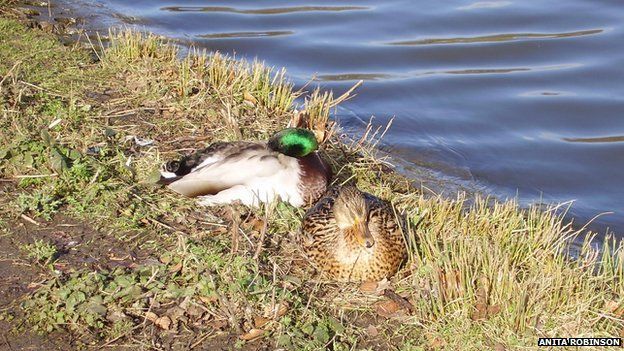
pixel 17 277
pixel 77 245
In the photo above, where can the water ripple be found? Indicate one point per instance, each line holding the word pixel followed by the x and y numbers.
pixel 466 71
pixel 262 34
pixel 485 5
pixel 508 70
pixel 267 11
pixel 496 38
pixel 608 139
pixel 353 76
pixel 486 71
pixel 541 93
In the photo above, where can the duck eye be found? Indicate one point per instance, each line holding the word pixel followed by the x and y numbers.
pixel 172 166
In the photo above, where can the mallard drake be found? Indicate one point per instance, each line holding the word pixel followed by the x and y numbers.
pixel 353 236
pixel 287 166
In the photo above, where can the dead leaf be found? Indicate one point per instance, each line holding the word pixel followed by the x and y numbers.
pixel 614 307
pixel 277 312
pixel 480 312
pixel 282 309
pixel 61 266
pixel 260 322
pixel 163 322
pixel 383 285
pixel 221 230
pixel 372 330
pixel 208 300
pixel 112 257
pixel 195 311
pixel 386 308
pixel 175 312
pixel 539 323
pixel 218 324
pixel 258 225
pixel 176 268
pixel 151 316
pixel 185 303
pixel 400 300
pixel 483 311
pixel 298 120
pixel 368 287
pixel 493 310
pixel 435 342
pixel 499 347
pixel 250 98
pixel 116 316
pixel 610 306
pixel 252 334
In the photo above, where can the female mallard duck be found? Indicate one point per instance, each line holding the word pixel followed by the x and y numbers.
pixel 287 166
pixel 354 236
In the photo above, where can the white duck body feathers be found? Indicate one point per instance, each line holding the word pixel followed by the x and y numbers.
pixel 245 171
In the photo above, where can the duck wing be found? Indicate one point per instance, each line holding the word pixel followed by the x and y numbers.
pixel 174 170
pixel 319 224
pixel 224 165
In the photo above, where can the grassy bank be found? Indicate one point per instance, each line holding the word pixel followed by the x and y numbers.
pixel 82 133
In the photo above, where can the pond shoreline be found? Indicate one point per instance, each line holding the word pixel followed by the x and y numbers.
pixel 457 108
pixel 74 25
pixel 432 175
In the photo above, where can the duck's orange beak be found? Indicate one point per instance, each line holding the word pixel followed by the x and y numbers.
pixel 363 235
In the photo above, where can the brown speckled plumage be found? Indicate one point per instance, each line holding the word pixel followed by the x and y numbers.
pixel 341 257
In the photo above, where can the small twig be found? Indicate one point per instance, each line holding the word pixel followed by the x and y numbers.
pixel 346 96
pixel 30 220
pixel 35 176
pixel 43 89
pixel 151 279
pixel 108 343
pixel 95 176
pixel 195 344
pixel 273 292
pixel 6 341
pixel 262 235
pixel 225 302
pixel 231 120
pixel 234 226
pixel 157 222
pixel 93 47
pixel 310 297
pixel 9 73
pixel 149 309
pixel 383 133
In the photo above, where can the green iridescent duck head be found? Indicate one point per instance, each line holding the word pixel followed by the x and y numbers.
pixel 294 142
